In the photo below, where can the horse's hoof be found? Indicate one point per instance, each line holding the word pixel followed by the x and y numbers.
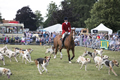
pixel 54 56
pixel 60 58
pixel 70 62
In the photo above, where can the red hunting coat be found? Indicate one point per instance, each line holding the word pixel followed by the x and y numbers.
pixel 66 27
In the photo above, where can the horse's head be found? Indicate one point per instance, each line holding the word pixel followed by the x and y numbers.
pixel 73 33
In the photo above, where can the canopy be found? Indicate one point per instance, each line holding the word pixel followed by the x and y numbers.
pixel 11 24
pixel 102 28
pixel 54 28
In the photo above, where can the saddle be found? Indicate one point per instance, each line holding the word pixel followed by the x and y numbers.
pixel 66 35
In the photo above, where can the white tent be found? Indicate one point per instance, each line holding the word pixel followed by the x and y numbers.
pixel 56 28
pixel 102 28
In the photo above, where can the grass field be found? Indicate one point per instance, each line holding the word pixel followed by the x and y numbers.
pixel 59 69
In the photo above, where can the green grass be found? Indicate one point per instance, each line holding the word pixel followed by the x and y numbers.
pixel 59 69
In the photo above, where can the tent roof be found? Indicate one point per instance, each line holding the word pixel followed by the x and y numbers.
pixel 56 28
pixel 102 27
pixel 11 24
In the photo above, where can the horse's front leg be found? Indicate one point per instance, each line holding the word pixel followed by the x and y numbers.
pixel 68 55
pixel 73 54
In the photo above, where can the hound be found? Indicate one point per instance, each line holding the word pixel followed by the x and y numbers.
pixel 91 54
pixel 17 50
pixel 4 48
pixel 110 65
pixel 30 50
pixel 43 62
pixel 27 57
pixel 5 71
pixel 99 61
pixel 2 58
pixel 84 61
pixel 21 51
pixel 99 52
pixel 88 53
pixel 10 53
pixel 50 50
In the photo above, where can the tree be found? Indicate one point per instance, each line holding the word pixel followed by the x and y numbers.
pixel 106 12
pixel 80 11
pixel 0 18
pixel 51 8
pixel 26 16
pixel 50 18
pixel 77 12
pixel 39 18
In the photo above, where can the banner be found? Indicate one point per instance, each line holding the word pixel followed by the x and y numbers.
pixel 104 44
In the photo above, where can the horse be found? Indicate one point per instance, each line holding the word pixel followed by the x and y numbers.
pixel 68 44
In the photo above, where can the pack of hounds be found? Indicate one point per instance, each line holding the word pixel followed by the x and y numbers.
pixel 99 60
pixel 42 63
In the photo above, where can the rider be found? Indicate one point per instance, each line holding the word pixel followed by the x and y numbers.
pixel 66 28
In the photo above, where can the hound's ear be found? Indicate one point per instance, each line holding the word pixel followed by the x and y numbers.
pixel 86 59
pixel 4 71
pixel 113 60
pixel 45 57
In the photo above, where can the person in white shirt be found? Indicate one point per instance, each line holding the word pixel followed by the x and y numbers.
pixel 23 40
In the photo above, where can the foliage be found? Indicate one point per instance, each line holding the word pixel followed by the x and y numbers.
pixel 0 18
pixel 106 12
pixel 80 11
pixel 50 19
pixel 39 18
pixel 58 69
pixel 76 11
pixel 51 8
pixel 26 16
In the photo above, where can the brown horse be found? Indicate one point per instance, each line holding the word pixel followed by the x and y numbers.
pixel 68 44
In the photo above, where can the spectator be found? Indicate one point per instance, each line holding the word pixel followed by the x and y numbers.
pixel 6 39
pixel 42 40
pixel 98 37
pixel 54 35
pixel 106 36
pixel 27 40
pixel 25 34
pixel 23 40
pixel 12 39
pixel 17 39
pixel 45 34
pixel 47 39
pixel 112 43
pixel 37 40
pixel 50 41
pixel 31 39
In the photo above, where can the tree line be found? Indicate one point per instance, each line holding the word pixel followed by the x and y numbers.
pixel 80 13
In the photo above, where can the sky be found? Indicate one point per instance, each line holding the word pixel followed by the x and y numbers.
pixel 8 8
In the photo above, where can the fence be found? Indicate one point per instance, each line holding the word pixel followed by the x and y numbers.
pixel 85 42
pixel 98 43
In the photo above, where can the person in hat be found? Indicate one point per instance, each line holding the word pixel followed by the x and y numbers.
pixel 66 28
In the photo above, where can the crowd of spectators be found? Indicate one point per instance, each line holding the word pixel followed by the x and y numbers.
pixel 30 38
pixel 93 40
pixel 46 38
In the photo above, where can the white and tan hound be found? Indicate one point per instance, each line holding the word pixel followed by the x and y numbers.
pixel 84 61
pixel 5 71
